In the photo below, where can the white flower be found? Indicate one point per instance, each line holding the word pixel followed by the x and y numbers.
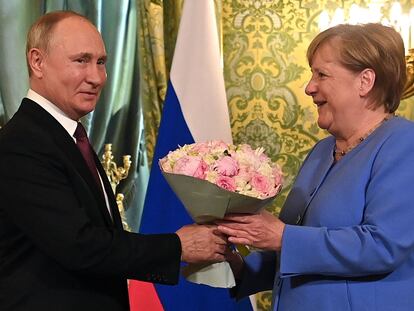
pixel 235 167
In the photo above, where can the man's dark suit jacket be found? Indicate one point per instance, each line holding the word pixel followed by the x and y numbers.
pixel 59 248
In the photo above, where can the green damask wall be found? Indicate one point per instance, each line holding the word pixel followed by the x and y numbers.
pixel 266 71
pixel 264 47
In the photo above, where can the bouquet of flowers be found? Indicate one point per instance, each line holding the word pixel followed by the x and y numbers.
pixel 215 178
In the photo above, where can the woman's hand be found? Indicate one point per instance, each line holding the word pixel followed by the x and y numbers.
pixel 261 230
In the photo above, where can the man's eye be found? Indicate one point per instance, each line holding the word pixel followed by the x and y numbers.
pixel 81 60
pixel 321 75
pixel 101 62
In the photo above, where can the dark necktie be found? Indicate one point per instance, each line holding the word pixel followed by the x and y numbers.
pixel 85 148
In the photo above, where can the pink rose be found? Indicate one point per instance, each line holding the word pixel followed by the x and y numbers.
pixel 201 148
pixel 275 190
pixel 191 166
pixel 261 184
pixel 245 174
pixel 277 173
pixel 226 182
pixel 263 157
pixel 227 166
pixel 218 144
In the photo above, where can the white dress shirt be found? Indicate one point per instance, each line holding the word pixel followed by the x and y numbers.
pixel 68 124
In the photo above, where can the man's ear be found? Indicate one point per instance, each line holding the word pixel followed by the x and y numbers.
pixel 367 80
pixel 35 58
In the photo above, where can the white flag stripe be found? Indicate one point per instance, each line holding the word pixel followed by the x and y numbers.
pixel 197 76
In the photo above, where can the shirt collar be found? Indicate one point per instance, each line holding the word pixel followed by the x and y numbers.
pixel 69 124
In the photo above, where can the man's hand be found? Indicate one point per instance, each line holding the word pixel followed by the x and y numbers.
pixel 261 230
pixel 202 243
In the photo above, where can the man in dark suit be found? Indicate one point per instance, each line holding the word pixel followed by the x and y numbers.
pixel 62 246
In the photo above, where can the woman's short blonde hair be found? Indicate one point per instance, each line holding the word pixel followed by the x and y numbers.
pixel 41 32
pixel 373 46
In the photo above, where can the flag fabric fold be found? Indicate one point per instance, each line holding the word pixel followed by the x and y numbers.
pixel 195 110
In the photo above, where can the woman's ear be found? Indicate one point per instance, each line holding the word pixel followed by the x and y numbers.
pixel 35 59
pixel 367 80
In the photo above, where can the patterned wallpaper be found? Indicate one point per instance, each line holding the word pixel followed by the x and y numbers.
pixel 265 75
pixel 265 68
pixel 266 71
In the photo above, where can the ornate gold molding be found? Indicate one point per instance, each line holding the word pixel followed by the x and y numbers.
pixel 115 174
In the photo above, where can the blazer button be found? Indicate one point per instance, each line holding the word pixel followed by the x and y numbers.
pixel 298 219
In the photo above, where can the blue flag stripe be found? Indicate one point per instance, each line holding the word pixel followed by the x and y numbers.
pixel 164 212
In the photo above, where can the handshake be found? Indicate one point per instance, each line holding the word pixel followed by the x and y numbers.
pixel 212 243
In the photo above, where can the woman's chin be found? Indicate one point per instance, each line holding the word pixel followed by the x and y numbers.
pixel 323 124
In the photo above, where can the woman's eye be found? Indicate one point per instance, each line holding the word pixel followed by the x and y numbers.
pixel 321 75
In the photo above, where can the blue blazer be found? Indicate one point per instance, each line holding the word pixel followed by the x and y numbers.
pixel 349 239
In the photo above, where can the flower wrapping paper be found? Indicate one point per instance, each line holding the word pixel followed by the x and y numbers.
pixel 213 179
pixel 206 202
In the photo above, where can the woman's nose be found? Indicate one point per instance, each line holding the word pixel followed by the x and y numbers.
pixel 311 88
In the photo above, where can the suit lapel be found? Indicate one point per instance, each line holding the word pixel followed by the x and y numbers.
pixel 66 143
pixel 299 202
pixel 321 172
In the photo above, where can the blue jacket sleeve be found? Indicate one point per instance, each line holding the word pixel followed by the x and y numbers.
pixel 364 224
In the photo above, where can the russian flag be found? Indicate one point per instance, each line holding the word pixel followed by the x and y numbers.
pixel 195 110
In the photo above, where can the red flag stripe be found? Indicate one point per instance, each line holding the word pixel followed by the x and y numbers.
pixel 143 296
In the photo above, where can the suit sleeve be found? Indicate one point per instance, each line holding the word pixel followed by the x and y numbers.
pixel 258 274
pixel 52 207
pixel 381 242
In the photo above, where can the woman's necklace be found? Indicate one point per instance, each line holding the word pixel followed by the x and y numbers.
pixel 338 154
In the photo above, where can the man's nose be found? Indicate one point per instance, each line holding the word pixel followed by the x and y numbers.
pixel 96 75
